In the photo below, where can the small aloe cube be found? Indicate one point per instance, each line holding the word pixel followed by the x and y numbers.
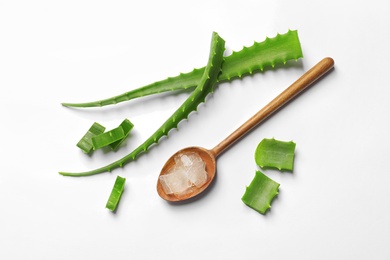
pixel 116 193
pixel 260 193
pixel 272 153
pixel 108 138
pixel 126 126
pixel 85 142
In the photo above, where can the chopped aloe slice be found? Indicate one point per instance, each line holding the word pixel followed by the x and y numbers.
pixel 126 126
pixel 260 193
pixel 85 142
pixel 271 153
pixel 107 138
pixel 116 193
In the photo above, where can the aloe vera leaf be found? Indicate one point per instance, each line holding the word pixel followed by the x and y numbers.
pixel 116 193
pixel 258 57
pixel 107 138
pixel 198 96
pixel 272 153
pixel 85 142
pixel 260 193
pixel 126 126
pixel 262 55
pixel 183 81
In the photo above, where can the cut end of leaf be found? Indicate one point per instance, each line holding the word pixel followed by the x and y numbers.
pixel 127 126
pixel 260 193
pixel 272 153
pixel 116 193
pixel 85 143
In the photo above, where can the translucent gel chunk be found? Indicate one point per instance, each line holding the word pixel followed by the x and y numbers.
pixel 175 181
pixel 188 171
pixel 194 167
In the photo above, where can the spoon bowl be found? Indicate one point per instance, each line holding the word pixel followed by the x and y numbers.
pixel 209 156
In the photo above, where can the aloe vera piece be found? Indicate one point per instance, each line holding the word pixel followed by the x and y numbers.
pixel 126 126
pixel 274 50
pixel 272 153
pixel 107 138
pixel 85 142
pixel 258 57
pixel 260 193
pixel 116 193
pixel 205 86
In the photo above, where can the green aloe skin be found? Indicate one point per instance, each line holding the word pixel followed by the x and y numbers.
pixel 258 57
pixel 260 193
pixel 126 125
pixel 108 138
pixel 272 153
pixel 116 193
pixel 85 143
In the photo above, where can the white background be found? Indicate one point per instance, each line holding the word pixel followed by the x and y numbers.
pixel 335 205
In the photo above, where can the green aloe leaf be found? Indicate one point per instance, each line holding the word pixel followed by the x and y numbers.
pixel 260 193
pixel 116 193
pixel 267 54
pixel 85 142
pixel 258 57
pixel 271 153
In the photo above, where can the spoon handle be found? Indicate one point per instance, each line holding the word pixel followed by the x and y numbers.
pixel 302 83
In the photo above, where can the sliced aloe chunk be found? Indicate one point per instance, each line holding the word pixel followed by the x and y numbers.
pixel 271 153
pixel 116 193
pixel 107 138
pixel 126 126
pixel 85 142
pixel 260 193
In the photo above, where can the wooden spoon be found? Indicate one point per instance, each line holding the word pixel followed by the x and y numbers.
pixel 209 156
